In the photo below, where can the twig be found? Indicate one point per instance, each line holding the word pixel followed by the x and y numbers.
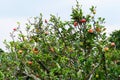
pixel 91 73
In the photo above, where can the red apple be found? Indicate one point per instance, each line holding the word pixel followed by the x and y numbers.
pixel 29 62
pixel 45 21
pixel 90 31
pixel 14 29
pixel 83 20
pixel 75 23
pixel 113 44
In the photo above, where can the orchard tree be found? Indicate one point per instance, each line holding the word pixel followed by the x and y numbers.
pixel 60 50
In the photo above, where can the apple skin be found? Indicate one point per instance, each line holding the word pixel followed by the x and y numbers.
pixel 46 21
pixel 113 44
pixel 35 50
pixel 83 20
pixel 75 23
pixel 94 12
pixel 20 51
pixel 98 29
pixel 90 31
pixel 96 75
pixel 106 49
pixel 14 29
pixel 30 62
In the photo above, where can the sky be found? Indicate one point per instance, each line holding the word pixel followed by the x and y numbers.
pixel 12 11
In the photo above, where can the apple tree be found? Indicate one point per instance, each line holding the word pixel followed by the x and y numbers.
pixel 60 50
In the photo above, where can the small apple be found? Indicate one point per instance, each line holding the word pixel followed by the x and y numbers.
pixel 106 49
pixel 90 31
pixel 14 29
pixel 94 12
pixel 113 44
pixel 20 51
pixel 46 21
pixel 35 50
pixel 29 62
pixel 96 75
pixel 98 29
pixel 37 30
pixel 52 49
pixel 75 23
pixel 83 20
pixel 46 32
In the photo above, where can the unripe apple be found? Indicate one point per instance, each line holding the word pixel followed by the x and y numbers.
pixel 96 75
pixel 94 12
pixel 37 30
pixel 98 29
pixel 106 49
pixel 20 51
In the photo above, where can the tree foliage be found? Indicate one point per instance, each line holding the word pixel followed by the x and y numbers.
pixel 61 50
pixel 1 50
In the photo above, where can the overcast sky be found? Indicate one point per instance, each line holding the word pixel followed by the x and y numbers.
pixel 12 11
